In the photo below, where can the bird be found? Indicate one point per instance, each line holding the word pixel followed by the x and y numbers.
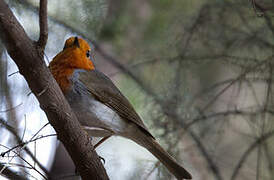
pixel 99 105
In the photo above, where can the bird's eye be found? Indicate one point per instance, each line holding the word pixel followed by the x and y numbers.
pixel 88 54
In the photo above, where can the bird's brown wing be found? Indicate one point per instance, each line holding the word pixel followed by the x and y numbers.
pixel 103 89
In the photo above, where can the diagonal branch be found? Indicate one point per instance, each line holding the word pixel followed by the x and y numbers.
pixel 43 23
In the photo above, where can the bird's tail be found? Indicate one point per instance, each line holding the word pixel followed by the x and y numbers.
pixel 151 145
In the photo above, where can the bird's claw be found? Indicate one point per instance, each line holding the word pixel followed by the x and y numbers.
pixel 101 158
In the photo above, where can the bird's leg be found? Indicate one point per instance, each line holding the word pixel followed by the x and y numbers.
pixel 101 141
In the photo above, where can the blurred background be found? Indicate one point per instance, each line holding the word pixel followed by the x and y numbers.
pixel 198 72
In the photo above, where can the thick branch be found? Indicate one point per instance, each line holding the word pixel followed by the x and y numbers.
pixel 43 22
pixel 30 62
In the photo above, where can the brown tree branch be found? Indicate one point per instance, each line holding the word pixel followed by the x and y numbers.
pixel 43 24
pixel 31 65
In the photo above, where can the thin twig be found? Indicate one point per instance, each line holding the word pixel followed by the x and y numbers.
pixel 259 141
pixel 11 109
pixel 201 147
pixel 20 142
pixel 39 131
pixel 269 159
pixel 43 23
pixel 25 143
pixel 18 155
pixel 228 113
pixel 13 73
pixel 212 101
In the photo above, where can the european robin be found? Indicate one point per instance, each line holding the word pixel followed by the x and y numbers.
pixel 100 107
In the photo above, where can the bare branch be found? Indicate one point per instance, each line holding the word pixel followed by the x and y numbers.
pixel 23 144
pixel 19 141
pixel 258 142
pixel 248 70
pixel 228 113
pixel 16 154
pixel 43 23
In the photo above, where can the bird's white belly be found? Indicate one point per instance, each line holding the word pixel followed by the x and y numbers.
pixel 108 117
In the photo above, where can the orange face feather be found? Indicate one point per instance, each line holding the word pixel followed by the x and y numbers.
pixel 75 55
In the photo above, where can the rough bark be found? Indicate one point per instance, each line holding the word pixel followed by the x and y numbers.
pixel 28 56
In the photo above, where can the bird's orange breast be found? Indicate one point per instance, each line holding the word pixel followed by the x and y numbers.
pixel 62 76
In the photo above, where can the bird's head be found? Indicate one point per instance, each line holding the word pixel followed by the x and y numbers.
pixel 75 55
